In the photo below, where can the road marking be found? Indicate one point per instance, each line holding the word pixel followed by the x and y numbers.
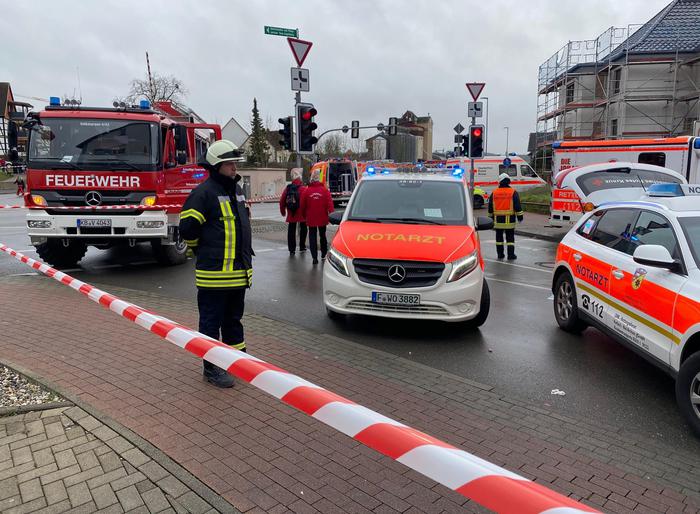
pixel 519 265
pixel 518 283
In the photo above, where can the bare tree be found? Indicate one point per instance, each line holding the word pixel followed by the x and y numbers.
pixel 332 146
pixel 159 89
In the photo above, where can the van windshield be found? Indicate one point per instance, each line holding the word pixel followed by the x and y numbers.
pixel 622 178
pixel 410 201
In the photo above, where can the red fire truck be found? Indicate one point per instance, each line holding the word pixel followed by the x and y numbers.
pixel 96 176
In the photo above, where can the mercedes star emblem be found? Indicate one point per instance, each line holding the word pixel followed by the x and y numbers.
pixel 397 273
pixel 93 198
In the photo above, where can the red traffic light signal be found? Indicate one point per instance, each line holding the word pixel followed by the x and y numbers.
pixel 475 147
pixel 476 132
pixel 307 115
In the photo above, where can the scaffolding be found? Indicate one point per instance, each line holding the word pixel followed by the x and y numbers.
pixel 603 88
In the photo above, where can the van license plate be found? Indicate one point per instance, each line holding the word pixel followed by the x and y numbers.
pixel 395 298
pixel 95 222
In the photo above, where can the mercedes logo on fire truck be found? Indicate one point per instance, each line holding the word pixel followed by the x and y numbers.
pixel 93 198
pixel 396 273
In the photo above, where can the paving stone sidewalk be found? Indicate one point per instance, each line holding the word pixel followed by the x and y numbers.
pixel 261 455
pixel 65 460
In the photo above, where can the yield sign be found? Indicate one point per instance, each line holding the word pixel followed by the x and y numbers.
pixel 475 88
pixel 300 49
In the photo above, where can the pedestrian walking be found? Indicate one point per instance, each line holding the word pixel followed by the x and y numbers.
pixel 316 205
pixel 215 224
pixel 504 208
pixel 290 206
pixel 20 185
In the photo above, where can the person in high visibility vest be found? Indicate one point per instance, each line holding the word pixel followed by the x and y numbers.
pixel 504 208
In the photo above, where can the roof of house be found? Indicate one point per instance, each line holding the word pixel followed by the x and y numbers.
pixel 235 132
pixel 675 28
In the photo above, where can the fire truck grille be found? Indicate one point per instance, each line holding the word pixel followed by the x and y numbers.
pixel 416 273
pixel 76 198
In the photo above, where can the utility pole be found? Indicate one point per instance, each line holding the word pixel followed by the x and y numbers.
pixel 507 129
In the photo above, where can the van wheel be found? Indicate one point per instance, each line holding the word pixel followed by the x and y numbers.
pixel 484 307
pixel 566 306
pixel 55 253
pixel 478 202
pixel 170 255
pixel 688 391
pixel 334 316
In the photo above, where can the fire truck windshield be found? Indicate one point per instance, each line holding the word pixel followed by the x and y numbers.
pixel 71 143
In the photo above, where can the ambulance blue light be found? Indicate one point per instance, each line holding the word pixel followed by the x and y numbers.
pixel 145 104
pixel 458 172
pixel 665 190
pixel 696 143
pixel 386 171
pixel 54 100
pixel 370 170
pixel 556 144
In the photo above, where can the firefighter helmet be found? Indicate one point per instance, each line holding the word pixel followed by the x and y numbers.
pixel 223 151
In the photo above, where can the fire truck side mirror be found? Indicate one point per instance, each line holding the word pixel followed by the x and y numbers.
pixel 181 157
pixel 180 133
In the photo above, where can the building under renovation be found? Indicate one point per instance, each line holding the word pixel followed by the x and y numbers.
pixel 10 132
pixel 634 82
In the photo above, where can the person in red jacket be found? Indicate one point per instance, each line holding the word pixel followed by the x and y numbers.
pixel 290 206
pixel 316 205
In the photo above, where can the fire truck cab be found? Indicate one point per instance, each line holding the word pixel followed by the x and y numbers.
pixel 96 177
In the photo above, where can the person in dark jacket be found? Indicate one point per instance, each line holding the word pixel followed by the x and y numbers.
pixel 504 208
pixel 316 205
pixel 215 225
pixel 290 205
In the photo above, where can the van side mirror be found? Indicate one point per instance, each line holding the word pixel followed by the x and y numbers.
pixel 484 223
pixel 336 217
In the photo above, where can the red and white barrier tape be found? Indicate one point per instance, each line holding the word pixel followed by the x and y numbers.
pixel 485 483
pixel 12 207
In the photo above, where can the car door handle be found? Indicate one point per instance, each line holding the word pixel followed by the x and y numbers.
pixel 618 274
pixel 578 257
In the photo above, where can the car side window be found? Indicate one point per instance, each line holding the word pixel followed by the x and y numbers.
pixel 511 170
pixel 614 230
pixel 527 171
pixel 654 229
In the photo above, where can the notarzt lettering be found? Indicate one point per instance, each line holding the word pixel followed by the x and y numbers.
pixel 94 181
pixel 591 276
pixel 410 238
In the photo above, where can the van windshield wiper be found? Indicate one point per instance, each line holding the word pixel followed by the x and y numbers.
pixel 58 160
pixel 418 221
pixel 117 161
pixel 366 220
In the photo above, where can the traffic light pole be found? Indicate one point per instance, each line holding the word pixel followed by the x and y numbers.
pixel 298 101
pixel 347 129
pixel 471 170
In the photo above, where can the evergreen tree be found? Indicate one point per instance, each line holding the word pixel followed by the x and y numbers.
pixel 257 155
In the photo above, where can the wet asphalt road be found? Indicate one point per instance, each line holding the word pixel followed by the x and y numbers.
pixel 520 351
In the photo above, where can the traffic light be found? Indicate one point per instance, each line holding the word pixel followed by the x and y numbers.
pixel 393 126
pixel 286 133
pixel 305 128
pixel 355 132
pixel 476 141
pixel 465 145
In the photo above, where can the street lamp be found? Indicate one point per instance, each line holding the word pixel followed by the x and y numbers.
pixel 486 142
pixel 507 129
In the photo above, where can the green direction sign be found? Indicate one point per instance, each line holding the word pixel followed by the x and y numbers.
pixel 281 31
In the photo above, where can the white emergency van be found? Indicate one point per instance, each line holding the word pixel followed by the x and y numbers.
pixel 632 269
pixel 488 168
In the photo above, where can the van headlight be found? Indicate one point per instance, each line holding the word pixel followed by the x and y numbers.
pixel 464 266
pixel 338 261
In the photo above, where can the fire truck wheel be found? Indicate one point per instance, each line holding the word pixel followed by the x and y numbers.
pixel 56 254
pixel 566 305
pixel 484 307
pixel 688 391
pixel 478 202
pixel 170 255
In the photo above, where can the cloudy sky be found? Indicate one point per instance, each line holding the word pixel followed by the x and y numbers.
pixel 371 59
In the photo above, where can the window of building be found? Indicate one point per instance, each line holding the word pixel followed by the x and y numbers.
pixel 570 88
pixel 616 80
pixel 655 158
pixel 613 127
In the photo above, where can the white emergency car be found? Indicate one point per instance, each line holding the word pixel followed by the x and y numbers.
pixel 407 248
pixel 632 269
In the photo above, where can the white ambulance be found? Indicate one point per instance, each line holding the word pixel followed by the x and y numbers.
pixel 488 168
pixel 680 154
pixel 632 269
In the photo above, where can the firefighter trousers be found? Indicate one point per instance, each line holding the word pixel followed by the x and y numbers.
pixel 220 313
pixel 509 242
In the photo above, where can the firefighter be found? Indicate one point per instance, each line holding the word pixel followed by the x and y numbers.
pixel 215 224
pixel 504 208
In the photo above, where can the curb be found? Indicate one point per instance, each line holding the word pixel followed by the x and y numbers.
pixel 539 235
pixel 187 478
pixel 36 407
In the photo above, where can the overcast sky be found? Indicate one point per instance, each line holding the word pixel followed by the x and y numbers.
pixel 371 59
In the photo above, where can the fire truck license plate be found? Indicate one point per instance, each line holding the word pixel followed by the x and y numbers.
pixel 395 298
pixel 95 222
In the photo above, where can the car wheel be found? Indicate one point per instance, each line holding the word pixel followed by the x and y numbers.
pixel 566 306
pixel 688 391
pixel 484 306
pixel 334 316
